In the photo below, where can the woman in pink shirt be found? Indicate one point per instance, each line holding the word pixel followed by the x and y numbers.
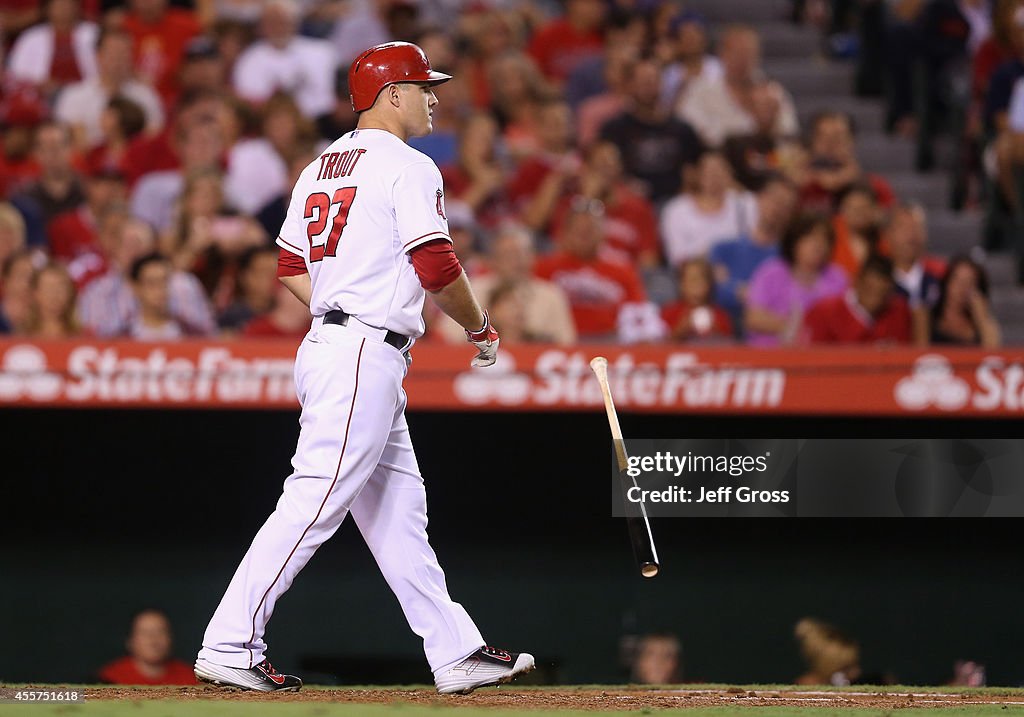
pixel 783 288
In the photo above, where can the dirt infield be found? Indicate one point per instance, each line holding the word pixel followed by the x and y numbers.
pixel 589 698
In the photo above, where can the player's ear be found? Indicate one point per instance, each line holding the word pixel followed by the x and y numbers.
pixel 394 94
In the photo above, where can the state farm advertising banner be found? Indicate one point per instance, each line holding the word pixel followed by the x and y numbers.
pixel 653 379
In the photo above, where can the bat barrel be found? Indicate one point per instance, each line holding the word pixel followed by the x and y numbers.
pixel 639 526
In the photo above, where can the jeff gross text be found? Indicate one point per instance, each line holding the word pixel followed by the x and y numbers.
pixel 693 472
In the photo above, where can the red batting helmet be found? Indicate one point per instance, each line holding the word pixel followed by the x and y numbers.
pixel 384 65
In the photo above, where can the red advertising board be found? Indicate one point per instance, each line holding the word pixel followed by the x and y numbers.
pixel 653 379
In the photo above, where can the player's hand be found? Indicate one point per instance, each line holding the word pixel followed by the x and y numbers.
pixel 486 342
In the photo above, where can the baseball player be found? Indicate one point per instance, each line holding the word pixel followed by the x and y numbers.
pixel 365 236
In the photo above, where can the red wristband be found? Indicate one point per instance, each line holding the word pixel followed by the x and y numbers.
pixel 487 333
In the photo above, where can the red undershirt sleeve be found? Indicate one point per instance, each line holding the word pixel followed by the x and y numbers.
pixel 436 264
pixel 289 264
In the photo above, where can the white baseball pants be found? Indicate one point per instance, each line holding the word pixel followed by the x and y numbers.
pixel 354 455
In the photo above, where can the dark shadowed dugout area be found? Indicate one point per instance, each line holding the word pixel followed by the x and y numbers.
pixel 109 512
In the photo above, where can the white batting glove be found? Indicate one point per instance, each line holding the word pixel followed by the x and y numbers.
pixel 486 343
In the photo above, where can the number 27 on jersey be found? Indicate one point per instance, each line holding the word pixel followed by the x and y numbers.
pixel 320 207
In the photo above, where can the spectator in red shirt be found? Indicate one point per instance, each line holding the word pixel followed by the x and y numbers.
pixel 833 165
pixel 544 178
pixel 121 122
pixel 288 319
pixel 161 34
pixel 870 312
pixel 149 660
pixel 562 44
pixel 165 151
pixel 694 317
pixel 22 109
pixel 74 232
pixel 607 298
pixel 631 225
pixel 94 263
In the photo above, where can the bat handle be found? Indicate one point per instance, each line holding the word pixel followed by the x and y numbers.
pixel 599 365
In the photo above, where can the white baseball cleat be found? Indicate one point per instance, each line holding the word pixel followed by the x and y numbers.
pixel 486 667
pixel 263 677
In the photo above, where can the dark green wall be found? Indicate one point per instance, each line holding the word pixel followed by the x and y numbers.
pixel 105 513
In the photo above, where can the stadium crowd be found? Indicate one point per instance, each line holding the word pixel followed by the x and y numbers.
pixel 947 68
pixel 614 171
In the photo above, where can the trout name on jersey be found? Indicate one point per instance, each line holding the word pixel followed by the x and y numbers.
pixel 334 165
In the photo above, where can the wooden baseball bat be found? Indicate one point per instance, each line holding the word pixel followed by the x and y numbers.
pixel 639 526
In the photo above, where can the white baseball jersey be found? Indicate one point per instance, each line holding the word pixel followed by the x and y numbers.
pixel 355 213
